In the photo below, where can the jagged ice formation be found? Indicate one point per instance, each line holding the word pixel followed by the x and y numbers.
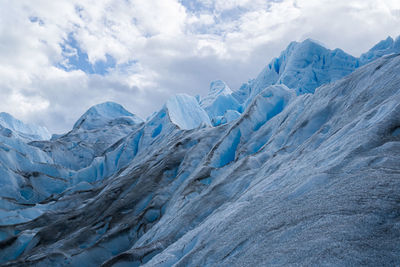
pixel 297 167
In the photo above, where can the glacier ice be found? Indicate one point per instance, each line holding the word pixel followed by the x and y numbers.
pixel 105 113
pixel 382 48
pixel 185 112
pixel 307 65
pixel 303 67
pixel 314 175
pixel 23 130
pixel 219 100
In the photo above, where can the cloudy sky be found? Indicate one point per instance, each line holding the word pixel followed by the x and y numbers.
pixel 57 58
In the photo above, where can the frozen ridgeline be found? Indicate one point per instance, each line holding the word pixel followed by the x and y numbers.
pixel 265 175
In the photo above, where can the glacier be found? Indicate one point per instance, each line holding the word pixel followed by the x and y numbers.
pixel 22 130
pixel 299 166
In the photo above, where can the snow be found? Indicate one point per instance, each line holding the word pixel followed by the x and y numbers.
pixel 185 112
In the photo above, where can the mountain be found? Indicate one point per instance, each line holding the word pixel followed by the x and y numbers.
pixel 263 175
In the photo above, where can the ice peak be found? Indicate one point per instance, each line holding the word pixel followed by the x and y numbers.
pixel 219 100
pixel 384 44
pixel 303 66
pixel 101 114
pixel 382 48
pixel 219 87
pixel 307 44
pixel 109 109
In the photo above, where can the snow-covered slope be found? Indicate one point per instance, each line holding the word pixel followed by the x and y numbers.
pixel 310 179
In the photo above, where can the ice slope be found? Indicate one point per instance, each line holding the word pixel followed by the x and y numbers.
pixel 103 141
pixel 217 88
pixel 181 112
pixel 27 176
pixel 55 177
pixel 301 66
pixel 306 180
pixel 23 130
pixel 323 190
pixel 22 169
pixel 185 112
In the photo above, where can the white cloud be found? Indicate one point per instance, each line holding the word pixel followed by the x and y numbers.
pixel 161 47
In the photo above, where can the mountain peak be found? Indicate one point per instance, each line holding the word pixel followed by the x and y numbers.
pixel 101 114
pixel 384 44
pixel 219 86
pixel 382 48
pixel 110 109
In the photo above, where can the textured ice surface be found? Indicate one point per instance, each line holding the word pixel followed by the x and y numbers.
pixel 294 180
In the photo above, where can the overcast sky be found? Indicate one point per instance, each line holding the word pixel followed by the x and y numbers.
pixel 59 57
